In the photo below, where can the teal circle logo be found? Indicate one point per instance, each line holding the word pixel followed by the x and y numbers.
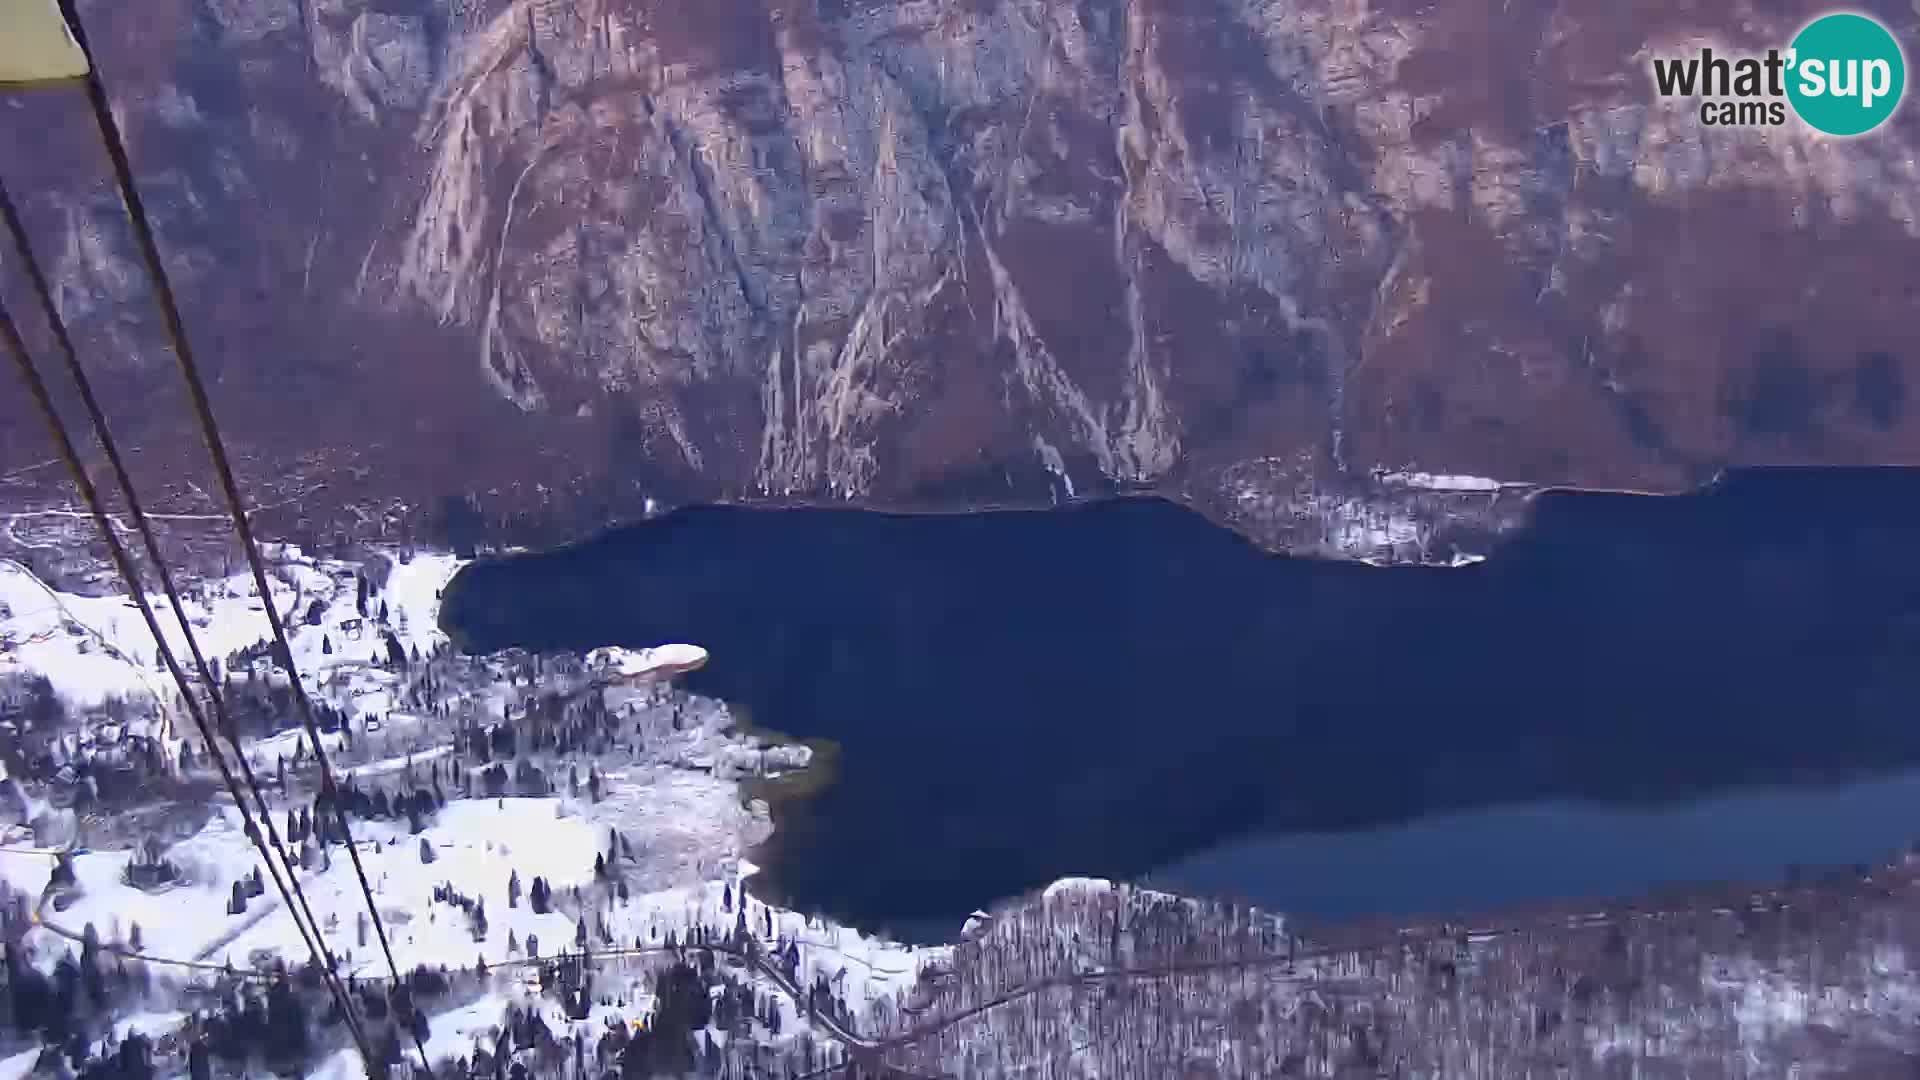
pixel 1846 74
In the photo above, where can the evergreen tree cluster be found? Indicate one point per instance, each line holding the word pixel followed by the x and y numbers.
pixel 475 910
pixel 67 1010
pixel 559 724
pixel 418 806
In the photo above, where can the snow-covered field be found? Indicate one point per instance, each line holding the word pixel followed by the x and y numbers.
pixel 94 647
pixel 19 1066
pixel 72 639
pixel 396 764
pixel 477 845
pixel 453 1033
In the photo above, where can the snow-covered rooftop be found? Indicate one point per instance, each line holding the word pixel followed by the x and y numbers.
pixel 623 663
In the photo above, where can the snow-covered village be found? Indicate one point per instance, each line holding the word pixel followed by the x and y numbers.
pixel 556 847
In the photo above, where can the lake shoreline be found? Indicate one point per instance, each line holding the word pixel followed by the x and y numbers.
pixel 786 797
pixel 1106 688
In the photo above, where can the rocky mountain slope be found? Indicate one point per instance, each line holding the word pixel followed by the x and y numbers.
pixel 1298 262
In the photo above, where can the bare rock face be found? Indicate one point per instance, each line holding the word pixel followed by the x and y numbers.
pixel 1271 257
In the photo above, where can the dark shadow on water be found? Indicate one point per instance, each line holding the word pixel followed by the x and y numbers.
pixel 1108 688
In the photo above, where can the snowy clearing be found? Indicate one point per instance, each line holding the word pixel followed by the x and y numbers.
pixel 94 647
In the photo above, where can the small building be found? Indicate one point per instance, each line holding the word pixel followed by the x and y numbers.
pixel 149 868
pixel 640 666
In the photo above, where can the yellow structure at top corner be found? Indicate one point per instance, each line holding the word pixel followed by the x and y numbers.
pixel 35 44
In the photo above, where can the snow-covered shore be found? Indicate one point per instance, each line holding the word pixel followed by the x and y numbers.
pixel 678 805
pixel 95 647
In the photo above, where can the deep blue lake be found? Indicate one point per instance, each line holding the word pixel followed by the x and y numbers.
pixel 1630 692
